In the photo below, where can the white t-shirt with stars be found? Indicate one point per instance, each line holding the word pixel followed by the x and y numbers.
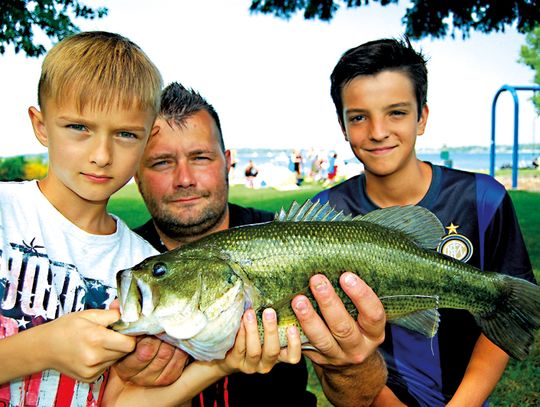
pixel 49 267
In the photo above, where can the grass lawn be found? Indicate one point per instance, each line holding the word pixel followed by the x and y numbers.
pixel 520 385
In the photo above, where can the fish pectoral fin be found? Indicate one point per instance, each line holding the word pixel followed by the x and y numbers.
pixel 180 326
pixel 416 312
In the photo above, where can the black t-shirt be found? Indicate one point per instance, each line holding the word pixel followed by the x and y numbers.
pixel 284 386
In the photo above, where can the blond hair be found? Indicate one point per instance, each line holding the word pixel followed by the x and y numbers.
pixel 100 70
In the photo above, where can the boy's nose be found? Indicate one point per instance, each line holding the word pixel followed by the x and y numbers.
pixel 378 131
pixel 101 154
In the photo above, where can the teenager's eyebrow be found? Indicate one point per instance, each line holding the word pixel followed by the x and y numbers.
pixel 400 104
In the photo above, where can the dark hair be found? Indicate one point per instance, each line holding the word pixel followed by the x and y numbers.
pixel 374 57
pixel 179 103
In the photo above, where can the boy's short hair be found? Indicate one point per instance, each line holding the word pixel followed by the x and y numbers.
pixel 179 103
pixel 374 57
pixel 100 70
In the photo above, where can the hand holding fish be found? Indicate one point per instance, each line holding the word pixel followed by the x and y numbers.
pixel 80 345
pixel 345 355
pixel 339 339
pixel 248 355
pixel 152 363
pixel 77 344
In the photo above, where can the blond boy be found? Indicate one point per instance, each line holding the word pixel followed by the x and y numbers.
pixel 99 96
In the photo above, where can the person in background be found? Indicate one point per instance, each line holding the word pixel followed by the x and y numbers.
pixel 296 159
pixel 183 180
pixel 250 172
pixel 379 90
pixel 332 168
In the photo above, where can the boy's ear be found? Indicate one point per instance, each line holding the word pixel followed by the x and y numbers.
pixel 422 121
pixel 38 124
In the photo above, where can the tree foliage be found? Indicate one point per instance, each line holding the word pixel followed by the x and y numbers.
pixel 424 18
pixel 12 168
pixel 19 19
pixel 530 56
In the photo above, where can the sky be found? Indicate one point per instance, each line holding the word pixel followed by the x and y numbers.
pixel 268 78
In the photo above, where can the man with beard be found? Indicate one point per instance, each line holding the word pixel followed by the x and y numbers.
pixel 183 178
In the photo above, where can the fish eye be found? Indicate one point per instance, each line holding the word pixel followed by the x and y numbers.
pixel 159 269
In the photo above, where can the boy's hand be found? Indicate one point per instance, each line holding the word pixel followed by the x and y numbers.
pixel 153 363
pixel 81 346
pixel 249 356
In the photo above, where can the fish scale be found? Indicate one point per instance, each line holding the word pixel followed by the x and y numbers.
pixel 199 298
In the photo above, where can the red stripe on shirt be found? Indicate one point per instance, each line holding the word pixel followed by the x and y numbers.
pixel 64 394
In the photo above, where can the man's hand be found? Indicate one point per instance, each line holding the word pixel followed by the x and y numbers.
pixel 341 340
pixel 351 371
pixel 153 363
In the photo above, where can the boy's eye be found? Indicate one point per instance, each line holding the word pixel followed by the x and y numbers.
pixel 127 134
pixel 398 113
pixel 357 118
pixel 78 127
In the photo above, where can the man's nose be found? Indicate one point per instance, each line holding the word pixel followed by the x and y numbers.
pixel 184 175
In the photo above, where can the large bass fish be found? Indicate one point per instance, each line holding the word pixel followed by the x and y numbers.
pixel 194 296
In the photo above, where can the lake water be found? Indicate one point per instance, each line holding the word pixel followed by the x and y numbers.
pixel 464 161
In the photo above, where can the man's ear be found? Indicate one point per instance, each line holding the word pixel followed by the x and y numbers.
pixel 228 160
pixel 422 121
pixel 38 124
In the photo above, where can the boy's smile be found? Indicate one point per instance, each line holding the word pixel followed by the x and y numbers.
pixel 380 121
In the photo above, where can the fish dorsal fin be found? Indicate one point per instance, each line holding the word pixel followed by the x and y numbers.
pixel 310 211
pixel 416 222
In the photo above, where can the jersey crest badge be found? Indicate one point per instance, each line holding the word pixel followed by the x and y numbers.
pixel 455 245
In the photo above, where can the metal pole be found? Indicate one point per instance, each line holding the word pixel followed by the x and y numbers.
pixel 515 149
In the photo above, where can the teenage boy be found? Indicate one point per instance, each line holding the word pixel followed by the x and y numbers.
pixel 60 249
pixel 183 178
pixel 379 90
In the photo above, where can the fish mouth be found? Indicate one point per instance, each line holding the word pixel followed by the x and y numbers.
pixel 135 297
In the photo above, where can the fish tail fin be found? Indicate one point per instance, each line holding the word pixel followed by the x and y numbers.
pixel 513 323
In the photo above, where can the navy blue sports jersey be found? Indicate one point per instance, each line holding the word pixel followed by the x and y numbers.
pixel 482 230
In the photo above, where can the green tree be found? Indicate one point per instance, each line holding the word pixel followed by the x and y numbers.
pixel 424 18
pixel 12 168
pixel 530 56
pixel 19 19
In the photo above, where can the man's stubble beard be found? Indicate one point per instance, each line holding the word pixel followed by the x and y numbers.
pixel 169 224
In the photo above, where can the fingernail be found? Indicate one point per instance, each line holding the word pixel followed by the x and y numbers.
pixel 292 331
pixel 250 316
pixel 321 285
pixel 351 280
pixel 269 314
pixel 301 306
